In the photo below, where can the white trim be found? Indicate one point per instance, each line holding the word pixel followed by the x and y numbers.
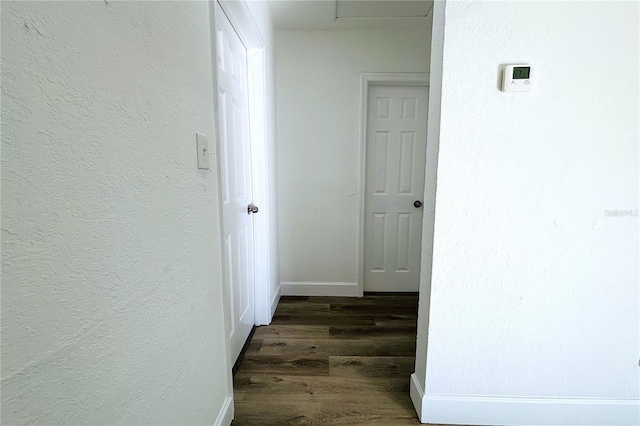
pixel 244 24
pixel 374 79
pixel 225 415
pixel 309 288
pixel 417 394
pixel 487 410
pixel 259 158
pixel 394 79
pixel 276 300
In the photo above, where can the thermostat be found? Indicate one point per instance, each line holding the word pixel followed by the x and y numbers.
pixel 517 78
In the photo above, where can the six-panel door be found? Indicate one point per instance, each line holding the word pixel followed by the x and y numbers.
pixel 395 167
pixel 235 173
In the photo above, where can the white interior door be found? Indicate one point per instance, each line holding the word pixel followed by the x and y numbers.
pixel 235 173
pixel 395 167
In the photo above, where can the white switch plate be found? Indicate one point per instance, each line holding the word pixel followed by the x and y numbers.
pixel 203 151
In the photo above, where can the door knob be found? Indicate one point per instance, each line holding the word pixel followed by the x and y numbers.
pixel 252 209
pixel 417 204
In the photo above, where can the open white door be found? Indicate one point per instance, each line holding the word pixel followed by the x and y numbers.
pixel 395 167
pixel 235 174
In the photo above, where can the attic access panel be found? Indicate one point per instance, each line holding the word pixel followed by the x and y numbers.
pixel 351 9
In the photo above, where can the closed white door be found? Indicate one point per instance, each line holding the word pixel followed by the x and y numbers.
pixel 235 173
pixel 395 167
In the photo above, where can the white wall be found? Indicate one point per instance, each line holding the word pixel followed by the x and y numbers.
pixel 111 282
pixel 534 289
pixel 318 92
pixel 430 180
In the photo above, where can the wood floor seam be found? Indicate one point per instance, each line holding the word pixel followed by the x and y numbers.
pixel 331 361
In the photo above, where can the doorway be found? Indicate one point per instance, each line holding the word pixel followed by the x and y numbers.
pixel 240 109
pixel 394 133
pixel 235 179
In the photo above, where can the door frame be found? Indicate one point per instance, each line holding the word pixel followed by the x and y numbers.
pixel 375 79
pixel 244 24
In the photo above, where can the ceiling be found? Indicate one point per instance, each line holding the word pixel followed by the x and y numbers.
pixel 351 14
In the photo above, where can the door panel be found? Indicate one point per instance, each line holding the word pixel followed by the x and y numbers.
pixel 395 166
pixel 235 171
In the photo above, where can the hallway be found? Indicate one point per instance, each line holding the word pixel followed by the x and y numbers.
pixel 331 360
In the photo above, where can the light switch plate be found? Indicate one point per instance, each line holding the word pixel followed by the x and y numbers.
pixel 202 145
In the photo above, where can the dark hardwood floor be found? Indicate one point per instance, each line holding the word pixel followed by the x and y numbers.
pixel 331 360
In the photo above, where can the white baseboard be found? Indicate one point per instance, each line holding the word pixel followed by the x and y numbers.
pixel 275 300
pixel 486 410
pixel 417 394
pixel 312 288
pixel 225 415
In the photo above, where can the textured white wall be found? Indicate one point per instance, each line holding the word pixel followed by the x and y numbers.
pixel 318 81
pixel 534 289
pixel 111 283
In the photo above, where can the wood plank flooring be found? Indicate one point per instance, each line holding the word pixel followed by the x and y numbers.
pixel 331 361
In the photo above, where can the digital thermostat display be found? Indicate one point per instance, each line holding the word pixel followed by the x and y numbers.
pixel 517 78
pixel 521 72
